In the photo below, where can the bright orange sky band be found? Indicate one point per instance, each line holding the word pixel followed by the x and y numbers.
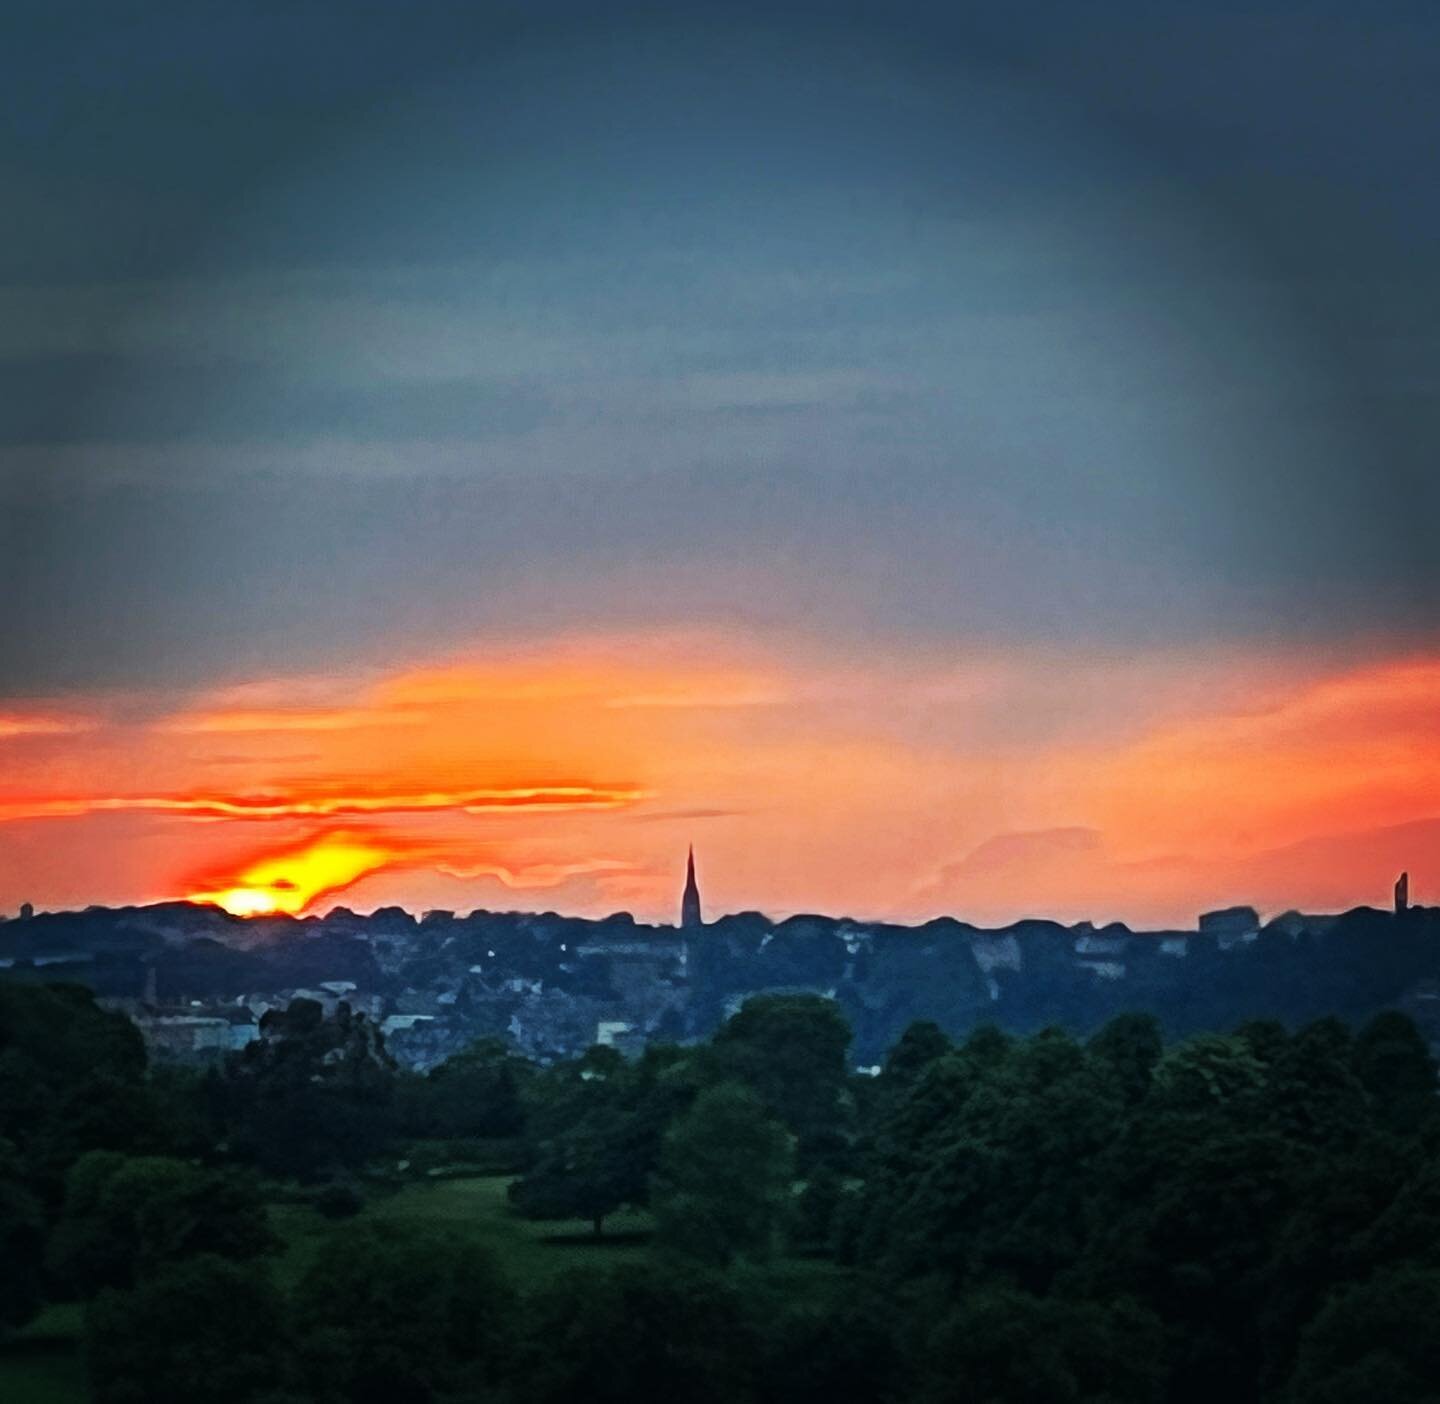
pixel 572 775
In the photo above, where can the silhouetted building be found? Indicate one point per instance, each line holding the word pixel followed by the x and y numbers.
pixel 26 911
pixel 1402 893
pixel 1231 926
pixel 690 903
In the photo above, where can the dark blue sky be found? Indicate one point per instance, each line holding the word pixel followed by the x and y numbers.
pixel 331 331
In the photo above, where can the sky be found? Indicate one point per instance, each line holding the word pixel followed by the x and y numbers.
pixel 973 459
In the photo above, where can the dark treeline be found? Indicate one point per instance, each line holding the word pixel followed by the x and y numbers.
pixel 1251 1216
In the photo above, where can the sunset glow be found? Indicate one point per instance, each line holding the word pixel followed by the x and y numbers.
pixel 290 881
pixel 912 786
pixel 968 480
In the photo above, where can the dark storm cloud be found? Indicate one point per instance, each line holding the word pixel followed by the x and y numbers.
pixel 332 328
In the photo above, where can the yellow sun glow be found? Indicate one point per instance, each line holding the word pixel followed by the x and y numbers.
pixel 289 882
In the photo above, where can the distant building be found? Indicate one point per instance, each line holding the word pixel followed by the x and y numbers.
pixel 623 1037
pixel 1104 955
pixel 690 917
pixel 27 910
pixel 187 1036
pixel 1232 926
pixel 1402 893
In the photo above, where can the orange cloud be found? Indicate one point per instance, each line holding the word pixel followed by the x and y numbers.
pixel 1355 750
pixel 293 719
pixel 853 783
pixel 293 879
pixel 537 875
pixel 40 724
pixel 484 800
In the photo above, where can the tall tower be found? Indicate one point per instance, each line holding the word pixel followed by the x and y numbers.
pixel 690 917
pixel 1402 893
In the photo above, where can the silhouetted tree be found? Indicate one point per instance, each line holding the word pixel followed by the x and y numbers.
pixel 724 1186
pixel 204 1328
pixel 398 1314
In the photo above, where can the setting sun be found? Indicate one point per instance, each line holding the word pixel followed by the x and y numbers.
pixel 287 883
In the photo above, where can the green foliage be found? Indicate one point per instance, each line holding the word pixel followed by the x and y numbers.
pixel 1197 1251
pixel 22 1245
pixel 64 1037
pixel 598 1123
pixel 1252 1217
pixel 599 1167
pixel 476 1093
pixel 1132 1045
pixel 1010 1347
pixel 976 1171
pixel 391 1312
pixel 1311 1093
pixel 1228 1184
pixel 816 1209
pixel 339 1200
pixel 312 1095
pixel 1394 1066
pixel 920 1045
pixel 1210 1072
pixel 126 1218
pixel 790 1051
pixel 202 1329
pixel 834 1353
pixel 1375 1341
pixel 71 1080
pixel 724 1187
pixel 682 1334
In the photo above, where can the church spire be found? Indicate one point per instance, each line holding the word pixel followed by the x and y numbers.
pixel 690 902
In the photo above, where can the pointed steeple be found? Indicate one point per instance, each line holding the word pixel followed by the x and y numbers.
pixel 690 903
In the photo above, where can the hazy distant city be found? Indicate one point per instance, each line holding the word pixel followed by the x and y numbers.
pixel 199 982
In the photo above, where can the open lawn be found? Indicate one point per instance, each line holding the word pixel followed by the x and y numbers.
pixel 528 1252
pixel 42 1364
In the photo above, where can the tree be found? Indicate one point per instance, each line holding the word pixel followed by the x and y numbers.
pixel 599 1167
pixel 202 1329
pixel 475 1093
pixel 816 1208
pixel 1208 1073
pixel 1393 1063
pixel 790 1051
pixel 834 1354
pixel 920 1045
pixel 313 1094
pixel 396 1314
pixel 1132 1045
pixel 125 1219
pixel 71 1080
pixel 1001 1344
pixel 1311 1094
pixel 1196 1247
pixel 1374 1341
pixel 663 1331
pixel 597 1123
pixel 22 1245
pixel 724 1187
pixel 983 1167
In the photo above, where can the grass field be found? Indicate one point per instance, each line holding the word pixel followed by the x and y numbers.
pixel 528 1252
pixel 42 1365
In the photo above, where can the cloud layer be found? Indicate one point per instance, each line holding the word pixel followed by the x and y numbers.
pixel 898 785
